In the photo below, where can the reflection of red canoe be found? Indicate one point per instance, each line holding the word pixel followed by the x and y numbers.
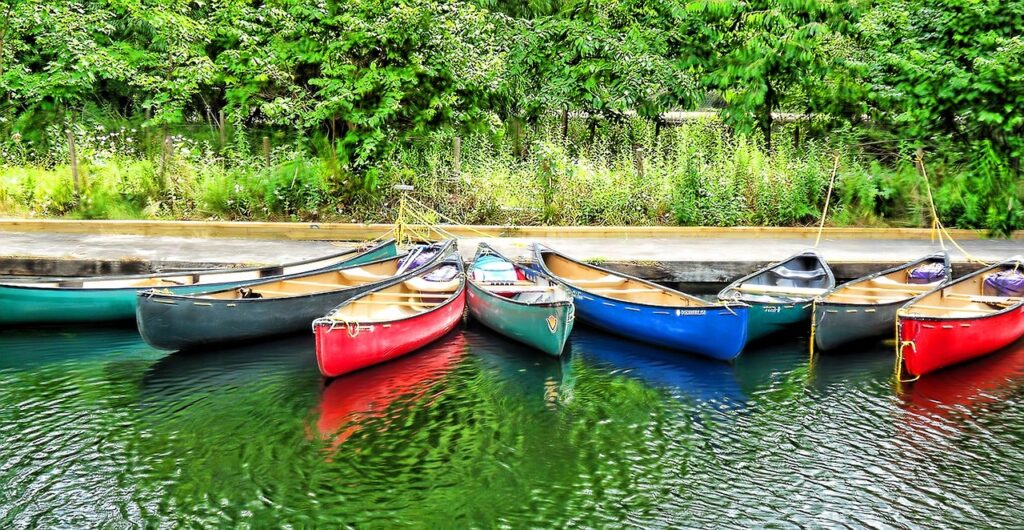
pixel 959 322
pixel 969 386
pixel 391 321
pixel 349 401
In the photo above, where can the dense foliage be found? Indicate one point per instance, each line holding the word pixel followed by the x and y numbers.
pixel 172 97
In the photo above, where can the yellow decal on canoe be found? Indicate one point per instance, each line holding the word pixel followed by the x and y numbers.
pixel 552 323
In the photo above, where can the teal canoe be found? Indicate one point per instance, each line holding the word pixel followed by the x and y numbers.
pixel 78 300
pixel 517 303
pixel 780 295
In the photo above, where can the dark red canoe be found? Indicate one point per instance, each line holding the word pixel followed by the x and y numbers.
pixel 970 317
pixel 392 321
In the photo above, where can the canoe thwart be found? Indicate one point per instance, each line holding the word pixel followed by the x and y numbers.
pixel 775 289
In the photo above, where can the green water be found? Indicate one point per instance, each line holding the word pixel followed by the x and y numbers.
pixel 96 429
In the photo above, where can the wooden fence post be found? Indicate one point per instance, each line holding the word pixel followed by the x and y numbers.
pixel 565 125
pixel 220 125
pixel 266 150
pixel 457 156
pixel 74 159
pixel 638 160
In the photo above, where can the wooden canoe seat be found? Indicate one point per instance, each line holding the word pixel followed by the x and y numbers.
pixel 359 274
pixel 532 288
pixel 626 291
pixel 154 282
pixel 780 290
pixel 981 299
pixel 314 284
pixel 419 284
pixel 608 280
pixel 952 311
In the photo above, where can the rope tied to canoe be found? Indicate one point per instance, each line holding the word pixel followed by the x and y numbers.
pixel 828 198
pixel 937 227
pixel 900 346
pixel 899 361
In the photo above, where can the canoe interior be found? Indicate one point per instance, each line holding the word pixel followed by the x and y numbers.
pixel 609 285
pixel 409 298
pixel 525 289
pixel 966 297
pixel 798 278
pixel 888 287
pixel 314 283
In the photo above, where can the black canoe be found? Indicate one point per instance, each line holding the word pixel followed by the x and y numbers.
pixel 277 307
pixel 866 307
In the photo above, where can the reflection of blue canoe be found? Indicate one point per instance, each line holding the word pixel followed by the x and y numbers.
pixel 696 378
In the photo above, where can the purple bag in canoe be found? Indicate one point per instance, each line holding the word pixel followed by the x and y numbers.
pixel 1006 283
pixel 929 273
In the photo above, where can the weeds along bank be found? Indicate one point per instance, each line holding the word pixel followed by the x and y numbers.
pixel 616 173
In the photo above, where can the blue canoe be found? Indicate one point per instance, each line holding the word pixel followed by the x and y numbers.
pixel 645 311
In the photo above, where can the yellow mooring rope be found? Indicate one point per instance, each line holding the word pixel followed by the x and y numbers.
pixel 828 198
pixel 937 227
pixel 900 346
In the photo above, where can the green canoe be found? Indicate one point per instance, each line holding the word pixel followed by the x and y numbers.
pixel 68 300
pixel 518 304
pixel 781 294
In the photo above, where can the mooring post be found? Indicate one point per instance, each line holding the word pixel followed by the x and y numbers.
pixel 222 134
pixel 74 158
pixel 457 156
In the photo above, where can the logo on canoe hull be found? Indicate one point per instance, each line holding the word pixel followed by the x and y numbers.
pixel 552 323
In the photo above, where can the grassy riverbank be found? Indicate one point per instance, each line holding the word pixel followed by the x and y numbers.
pixel 626 173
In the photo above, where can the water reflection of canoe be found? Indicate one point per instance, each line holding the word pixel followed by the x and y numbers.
pixel 967 387
pixel 685 376
pixel 184 373
pixel 23 349
pixel 520 369
pixel 866 363
pixel 348 402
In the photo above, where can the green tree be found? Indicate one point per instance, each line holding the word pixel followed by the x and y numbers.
pixel 760 50
pixel 952 73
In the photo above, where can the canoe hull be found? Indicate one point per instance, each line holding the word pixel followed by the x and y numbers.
pixel 347 347
pixel 714 332
pixel 768 319
pixel 29 305
pixel 171 323
pixel 836 325
pixel 545 327
pixel 929 344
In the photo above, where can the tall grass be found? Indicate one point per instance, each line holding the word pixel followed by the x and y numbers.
pixel 600 173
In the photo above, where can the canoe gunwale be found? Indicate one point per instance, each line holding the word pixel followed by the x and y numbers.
pixel 941 255
pixel 902 315
pixel 810 252
pixel 354 252
pixel 539 258
pixel 484 248
pixel 153 293
pixel 437 261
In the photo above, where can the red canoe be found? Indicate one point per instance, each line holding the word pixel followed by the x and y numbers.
pixel 391 321
pixel 973 316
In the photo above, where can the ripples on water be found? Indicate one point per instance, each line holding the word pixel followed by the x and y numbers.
pixel 97 429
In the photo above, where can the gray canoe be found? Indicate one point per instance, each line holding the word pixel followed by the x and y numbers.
pixel 277 307
pixel 865 308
